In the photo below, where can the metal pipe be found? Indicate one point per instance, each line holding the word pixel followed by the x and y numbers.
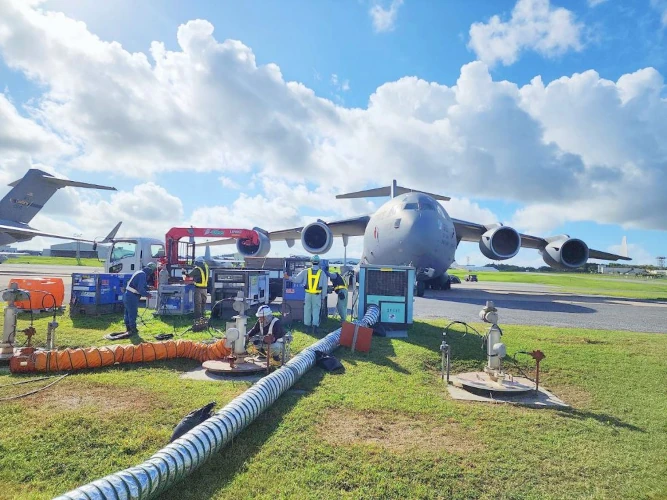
pixel 178 459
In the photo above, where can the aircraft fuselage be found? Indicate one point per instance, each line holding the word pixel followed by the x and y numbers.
pixel 412 229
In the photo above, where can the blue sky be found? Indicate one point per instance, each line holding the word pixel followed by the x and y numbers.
pixel 334 48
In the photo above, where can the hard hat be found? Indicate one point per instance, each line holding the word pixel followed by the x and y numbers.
pixel 315 259
pixel 152 266
pixel 264 311
pixel 199 259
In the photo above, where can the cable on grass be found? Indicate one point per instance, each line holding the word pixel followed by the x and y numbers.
pixel 11 398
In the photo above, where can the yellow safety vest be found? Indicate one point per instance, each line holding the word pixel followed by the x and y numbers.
pixel 341 287
pixel 313 281
pixel 204 276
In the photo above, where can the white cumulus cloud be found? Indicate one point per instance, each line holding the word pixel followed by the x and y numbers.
pixel 661 7
pixel 384 19
pixel 229 183
pixel 534 25
pixel 577 148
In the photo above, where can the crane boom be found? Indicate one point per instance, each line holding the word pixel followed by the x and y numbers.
pixel 175 234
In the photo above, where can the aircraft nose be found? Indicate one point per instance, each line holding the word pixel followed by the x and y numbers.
pixel 421 234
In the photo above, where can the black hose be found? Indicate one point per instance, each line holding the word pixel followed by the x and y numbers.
pixel 10 398
pixel 27 381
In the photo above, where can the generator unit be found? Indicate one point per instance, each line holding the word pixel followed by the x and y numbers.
pixel 177 299
pixel 275 266
pixel 227 282
pixel 97 293
pixel 391 288
pixel 294 294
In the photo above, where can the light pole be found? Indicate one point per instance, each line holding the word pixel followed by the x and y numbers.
pixel 78 249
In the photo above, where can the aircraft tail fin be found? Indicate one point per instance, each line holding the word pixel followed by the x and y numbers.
pixel 109 237
pixel 30 193
pixel 392 191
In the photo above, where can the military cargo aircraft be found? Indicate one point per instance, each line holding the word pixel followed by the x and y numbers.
pixel 414 229
pixel 27 198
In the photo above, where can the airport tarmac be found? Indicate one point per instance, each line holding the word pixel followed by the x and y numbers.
pixel 517 303
pixel 529 304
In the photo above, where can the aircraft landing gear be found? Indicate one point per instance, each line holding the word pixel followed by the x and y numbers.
pixel 421 287
pixel 445 284
pixel 439 283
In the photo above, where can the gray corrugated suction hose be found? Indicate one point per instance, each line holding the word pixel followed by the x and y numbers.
pixel 178 459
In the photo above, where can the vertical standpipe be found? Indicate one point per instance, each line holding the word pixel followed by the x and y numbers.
pixel 180 458
pixel 8 332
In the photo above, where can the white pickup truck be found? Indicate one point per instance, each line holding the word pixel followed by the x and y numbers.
pixel 128 255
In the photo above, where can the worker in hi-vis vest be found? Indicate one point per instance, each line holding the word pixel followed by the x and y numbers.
pixel 340 289
pixel 199 275
pixel 315 281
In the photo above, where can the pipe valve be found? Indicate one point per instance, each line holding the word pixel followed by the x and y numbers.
pixel 489 314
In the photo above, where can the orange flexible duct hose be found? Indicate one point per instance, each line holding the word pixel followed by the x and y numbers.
pixel 94 357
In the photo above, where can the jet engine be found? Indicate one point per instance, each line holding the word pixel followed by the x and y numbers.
pixel 316 237
pixel 500 243
pixel 566 253
pixel 262 249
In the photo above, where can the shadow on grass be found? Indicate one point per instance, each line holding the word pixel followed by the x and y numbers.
pixel 234 458
pixel 467 349
pixel 382 350
pixel 94 321
pixel 600 417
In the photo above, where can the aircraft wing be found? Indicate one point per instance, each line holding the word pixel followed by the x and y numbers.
pixel 470 231
pixel 21 232
pixel 355 226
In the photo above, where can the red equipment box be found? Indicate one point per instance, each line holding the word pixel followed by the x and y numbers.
pixel 355 336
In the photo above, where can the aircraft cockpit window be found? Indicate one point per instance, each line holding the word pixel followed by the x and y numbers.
pixel 426 206
pixel 410 206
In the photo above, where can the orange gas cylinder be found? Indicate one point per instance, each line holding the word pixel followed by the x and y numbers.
pixel 43 292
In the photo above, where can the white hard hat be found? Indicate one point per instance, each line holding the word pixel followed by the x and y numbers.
pixel 264 311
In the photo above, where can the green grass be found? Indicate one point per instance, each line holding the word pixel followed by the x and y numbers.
pixel 586 284
pixel 386 428
pixel 54 261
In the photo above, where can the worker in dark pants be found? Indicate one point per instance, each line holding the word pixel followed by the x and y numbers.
pixel 137 287
pixel 340 289
pixel 199 275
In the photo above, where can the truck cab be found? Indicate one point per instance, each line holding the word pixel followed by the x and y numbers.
pixel 128 255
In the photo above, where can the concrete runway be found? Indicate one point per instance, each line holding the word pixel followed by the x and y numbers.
pixel 518 303
pixel 527 304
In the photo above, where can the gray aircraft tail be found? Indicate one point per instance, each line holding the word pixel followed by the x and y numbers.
pixel 109 237
pixel 30 193
pixel 392 191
